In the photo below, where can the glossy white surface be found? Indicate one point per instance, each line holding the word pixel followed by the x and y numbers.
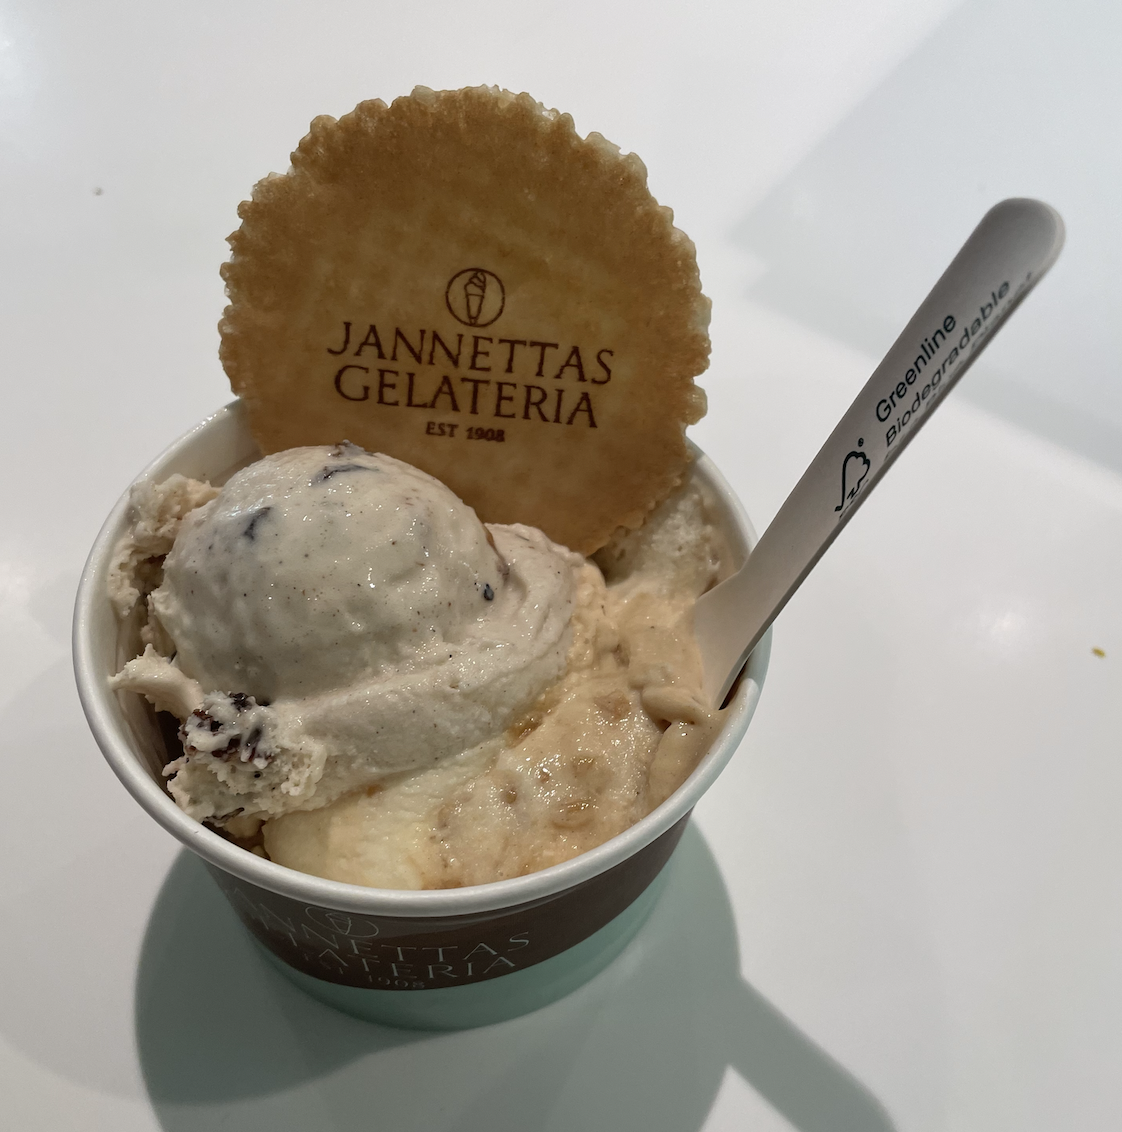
pixel 902 906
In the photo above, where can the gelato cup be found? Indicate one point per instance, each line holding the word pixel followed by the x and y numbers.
pixel 433 959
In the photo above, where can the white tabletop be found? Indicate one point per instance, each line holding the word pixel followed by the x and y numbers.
pixel 901 907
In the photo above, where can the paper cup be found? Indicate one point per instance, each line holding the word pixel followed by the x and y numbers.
pixel 444 959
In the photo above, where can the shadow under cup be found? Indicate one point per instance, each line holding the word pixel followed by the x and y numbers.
pixel 445 959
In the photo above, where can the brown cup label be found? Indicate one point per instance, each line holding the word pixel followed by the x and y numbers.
pixel 391 953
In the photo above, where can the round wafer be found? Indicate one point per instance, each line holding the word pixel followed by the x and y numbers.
pixel 463 282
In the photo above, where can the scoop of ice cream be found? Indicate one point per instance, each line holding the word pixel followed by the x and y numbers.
pixel 618 734
pixel 317 566
pixel 333 617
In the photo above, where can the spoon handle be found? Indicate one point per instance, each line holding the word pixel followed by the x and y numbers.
pixel 1004 258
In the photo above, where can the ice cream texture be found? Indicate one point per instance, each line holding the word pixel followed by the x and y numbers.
pixel 405 697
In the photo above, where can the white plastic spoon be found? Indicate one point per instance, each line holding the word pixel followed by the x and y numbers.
pixel 1005 257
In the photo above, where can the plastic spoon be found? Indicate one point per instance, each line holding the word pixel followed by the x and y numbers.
pixel 1004 258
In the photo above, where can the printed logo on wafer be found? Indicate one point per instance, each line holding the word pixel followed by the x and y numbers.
pixel 461 281
pixel 475 297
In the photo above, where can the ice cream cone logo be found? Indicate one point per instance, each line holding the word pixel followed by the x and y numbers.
pixel 475 297
pixel 354 927
pixel 475 290
pixel 855 468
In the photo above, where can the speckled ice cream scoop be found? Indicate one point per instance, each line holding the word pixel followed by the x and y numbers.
pixel 330 600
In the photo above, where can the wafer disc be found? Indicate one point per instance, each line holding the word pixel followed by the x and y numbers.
pixel 461 281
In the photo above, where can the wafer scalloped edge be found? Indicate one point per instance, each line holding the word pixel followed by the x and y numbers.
pixel 347 168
